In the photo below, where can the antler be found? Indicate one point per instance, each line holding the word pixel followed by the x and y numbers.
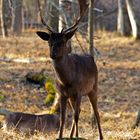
pixel 42 19
pixel 83 6
pixel 72 27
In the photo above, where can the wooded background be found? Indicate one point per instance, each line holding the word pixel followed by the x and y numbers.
pixel 120 15
pixel 21 52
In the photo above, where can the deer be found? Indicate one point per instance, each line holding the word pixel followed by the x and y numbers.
pixel 76 74
pixel 28 123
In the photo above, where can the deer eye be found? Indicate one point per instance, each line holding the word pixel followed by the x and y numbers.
pixel 50 44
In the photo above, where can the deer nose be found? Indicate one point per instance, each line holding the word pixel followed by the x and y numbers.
pixel 54 55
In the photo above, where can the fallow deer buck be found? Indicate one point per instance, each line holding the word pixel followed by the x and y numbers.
pixel 77 75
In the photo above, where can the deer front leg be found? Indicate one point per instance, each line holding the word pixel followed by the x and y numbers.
pixel 63 101
pixel 76 107
pixel 77 113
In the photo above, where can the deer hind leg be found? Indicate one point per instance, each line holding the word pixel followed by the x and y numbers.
pixel 76 108
pixel 63 102
pixel 73 122
pixel 93 100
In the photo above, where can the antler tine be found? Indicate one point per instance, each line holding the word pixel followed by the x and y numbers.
pixel 45 24
pixel 43 20
pixel 72 27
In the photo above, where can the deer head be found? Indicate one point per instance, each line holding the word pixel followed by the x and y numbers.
pixel 58 42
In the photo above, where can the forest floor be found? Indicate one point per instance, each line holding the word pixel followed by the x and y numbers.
pixel 119 84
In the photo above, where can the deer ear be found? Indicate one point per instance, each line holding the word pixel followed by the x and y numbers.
pixel 70 34
pixel 43 35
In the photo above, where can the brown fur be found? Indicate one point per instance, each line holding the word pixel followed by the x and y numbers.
pixel 30 123
pixel 77 76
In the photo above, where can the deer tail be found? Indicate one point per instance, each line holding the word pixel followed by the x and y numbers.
pixel 5 112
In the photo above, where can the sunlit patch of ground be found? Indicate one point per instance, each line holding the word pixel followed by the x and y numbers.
pixel 118 94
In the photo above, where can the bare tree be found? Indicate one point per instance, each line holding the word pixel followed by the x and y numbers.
pixel 63 22
pixel 120 24
pixel 123 25
pixel 53 14
pixel 91 27
pixel 133 19
pixel 16 7
pixel 127 21
pixel 2 19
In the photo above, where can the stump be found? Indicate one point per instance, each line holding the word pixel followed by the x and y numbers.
pixel 137 120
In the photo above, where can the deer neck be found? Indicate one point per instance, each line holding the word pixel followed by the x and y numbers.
pixel 62 67
pixel 61 64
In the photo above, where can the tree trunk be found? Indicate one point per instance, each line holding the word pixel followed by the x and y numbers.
pixel 61 25
pixel 53 14
pixel 36 14
pixel 91 27
pixel 120 24
pixel 83 4
pixel 46 2
pixel 2 19
pixel 123 25
pixel 7 14
pixel 133 20
pixel 17 17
